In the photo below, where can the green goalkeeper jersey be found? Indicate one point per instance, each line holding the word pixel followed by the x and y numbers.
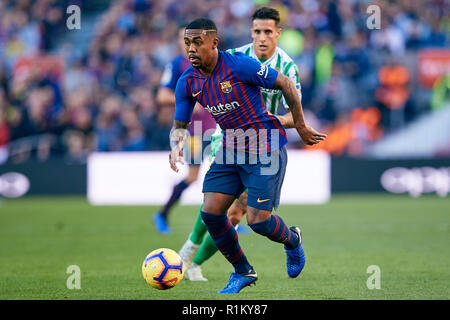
pixel 272 98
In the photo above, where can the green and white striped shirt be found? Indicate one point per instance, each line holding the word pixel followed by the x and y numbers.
pixel 281 62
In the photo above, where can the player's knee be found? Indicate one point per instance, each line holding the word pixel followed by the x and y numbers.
pixel 217 203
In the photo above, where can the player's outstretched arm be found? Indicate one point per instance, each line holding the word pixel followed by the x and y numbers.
pixel 308 134
pixel 178 137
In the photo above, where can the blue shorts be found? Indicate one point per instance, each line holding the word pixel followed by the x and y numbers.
pixel 263 179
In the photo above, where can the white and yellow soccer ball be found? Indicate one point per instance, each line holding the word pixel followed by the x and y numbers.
pixel 163 269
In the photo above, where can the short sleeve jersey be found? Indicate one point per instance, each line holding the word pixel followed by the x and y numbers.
pixel 232 95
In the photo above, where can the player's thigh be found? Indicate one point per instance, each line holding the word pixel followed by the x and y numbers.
pixel 223 178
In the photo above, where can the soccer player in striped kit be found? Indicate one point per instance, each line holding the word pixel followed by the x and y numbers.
pixel 265 33
pixel 228 86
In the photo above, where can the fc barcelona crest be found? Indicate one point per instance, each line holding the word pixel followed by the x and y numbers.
pixel 226 86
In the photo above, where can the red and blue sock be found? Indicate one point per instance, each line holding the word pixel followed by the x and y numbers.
pixel 226 240
pixel 276 230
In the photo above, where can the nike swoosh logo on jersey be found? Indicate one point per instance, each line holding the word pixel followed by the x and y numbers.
pixel 259 201
pixel 196 94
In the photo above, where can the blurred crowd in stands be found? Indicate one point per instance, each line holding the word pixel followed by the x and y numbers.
pixel 357 83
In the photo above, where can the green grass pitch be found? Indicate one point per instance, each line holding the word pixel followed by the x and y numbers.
pixel 409 239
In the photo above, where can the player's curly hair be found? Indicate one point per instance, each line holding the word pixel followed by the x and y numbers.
pixel 267 13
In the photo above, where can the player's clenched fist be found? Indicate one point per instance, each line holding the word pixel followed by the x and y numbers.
pixel 175 156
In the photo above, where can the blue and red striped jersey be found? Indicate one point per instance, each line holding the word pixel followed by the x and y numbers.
pixel 232 94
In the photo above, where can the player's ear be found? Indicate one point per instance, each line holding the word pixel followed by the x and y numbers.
pixel 215 42
pixel 279 31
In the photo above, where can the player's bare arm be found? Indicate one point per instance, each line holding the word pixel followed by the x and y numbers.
pixel 178 137
pixel 286 120
pixel 308 134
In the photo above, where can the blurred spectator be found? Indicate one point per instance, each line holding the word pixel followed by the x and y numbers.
pixel 105 98
pixel 393 94
pixel 107 127
pixel 159 129
pixel 441 93
pixel 35 117
pixel 389 37
pixel 5 133
pixel 351 132
pixel 134 136
pixel 325 53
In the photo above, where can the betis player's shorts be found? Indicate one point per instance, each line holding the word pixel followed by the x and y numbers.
pixel 263 179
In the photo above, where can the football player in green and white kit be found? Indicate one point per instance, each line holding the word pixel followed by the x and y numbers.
pixel 265 34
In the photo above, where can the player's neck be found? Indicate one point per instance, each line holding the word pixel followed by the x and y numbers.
pixel 208 68
pixel 265 57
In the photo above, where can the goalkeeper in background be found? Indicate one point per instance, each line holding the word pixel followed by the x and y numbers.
pixel 265 33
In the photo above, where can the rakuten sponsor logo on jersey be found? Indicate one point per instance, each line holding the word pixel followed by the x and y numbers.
pixel 222 108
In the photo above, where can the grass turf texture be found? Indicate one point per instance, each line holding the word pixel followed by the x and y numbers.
pixel 407 238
